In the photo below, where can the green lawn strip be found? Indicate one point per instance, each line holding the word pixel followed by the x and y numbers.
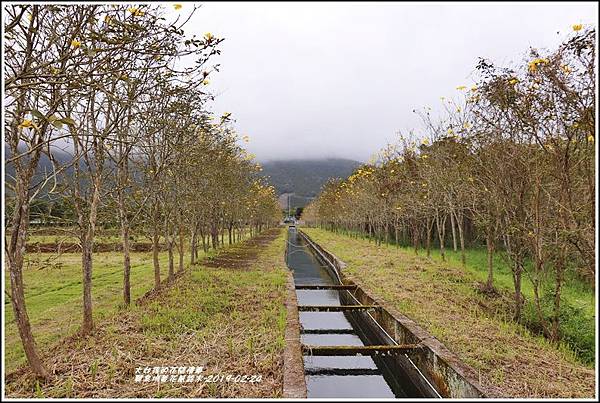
pixel 230 320
pixel 443 298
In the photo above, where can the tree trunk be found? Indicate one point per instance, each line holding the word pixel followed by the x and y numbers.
pixel 460 220
pixel 517 275
pixel 203 237
pixel 453 231
pixel 441 230
pixel 181 249
pixel 387 232
pixel 215 236
pixel 155 248
pixel 559 270
pixel 14 257
pixel 87 246
pixel 125 242
pixel 122 176
pixel 126 263
pixel 490 260
pixel 86 264
pixel 429 224
pixel 170 243
pixel 415 236
pixel 193 247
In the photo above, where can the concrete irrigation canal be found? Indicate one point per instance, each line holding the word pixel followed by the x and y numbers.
pixel 353 347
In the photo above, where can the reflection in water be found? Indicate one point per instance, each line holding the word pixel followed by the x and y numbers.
pixel 359 386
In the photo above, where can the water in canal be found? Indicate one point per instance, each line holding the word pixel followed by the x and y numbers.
pixel 339 376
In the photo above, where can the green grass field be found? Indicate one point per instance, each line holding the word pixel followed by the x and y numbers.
pixel 53 293
pixel 444 298
pixel 231 320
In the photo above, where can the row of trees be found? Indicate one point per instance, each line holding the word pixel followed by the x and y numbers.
pixel 512 162
pixel 114 97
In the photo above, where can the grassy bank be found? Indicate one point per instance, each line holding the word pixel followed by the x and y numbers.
pixel 230 320
pixel 444 299
pixel 577 299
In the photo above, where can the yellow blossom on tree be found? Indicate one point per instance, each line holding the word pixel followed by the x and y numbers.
pixel 532 67
pixel 75 43
pixel 208 36
pixel 205 82
pixel 26 123
pixel 513 81
pixel 177 6
pixel 577 27
pixel 534 63
pixel 591 138
pixel 461 87
pixel 135 11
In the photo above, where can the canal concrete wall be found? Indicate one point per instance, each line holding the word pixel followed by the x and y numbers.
pixel 294 383
pixel 443 369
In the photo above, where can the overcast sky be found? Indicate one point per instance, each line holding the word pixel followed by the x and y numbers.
pixel 311 80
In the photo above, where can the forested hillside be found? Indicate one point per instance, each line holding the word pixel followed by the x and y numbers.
pixel 304 177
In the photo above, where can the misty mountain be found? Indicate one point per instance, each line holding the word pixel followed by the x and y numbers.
pixel 299 180
pixel 304 177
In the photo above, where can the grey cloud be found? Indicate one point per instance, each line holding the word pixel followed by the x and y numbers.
pixel 307 80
